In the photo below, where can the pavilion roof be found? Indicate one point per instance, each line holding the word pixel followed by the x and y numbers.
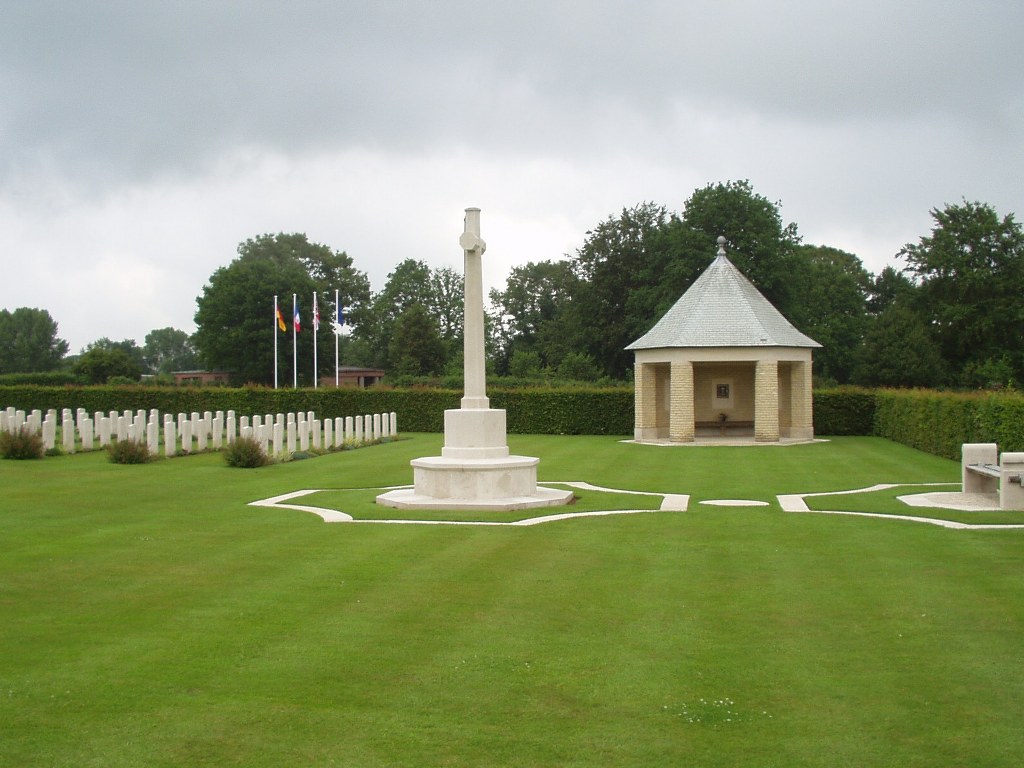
pixel 722 309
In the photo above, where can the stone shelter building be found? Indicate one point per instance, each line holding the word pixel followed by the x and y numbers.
pixel 721 361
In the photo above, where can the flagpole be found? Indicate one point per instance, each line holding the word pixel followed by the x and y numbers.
pixel 295 343
pixel 276 310
pixel 316 328
pixel 337 335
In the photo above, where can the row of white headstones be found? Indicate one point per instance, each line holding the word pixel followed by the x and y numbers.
pixel 279 434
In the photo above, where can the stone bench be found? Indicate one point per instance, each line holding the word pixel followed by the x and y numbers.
pixel 983 470
pixel 721 425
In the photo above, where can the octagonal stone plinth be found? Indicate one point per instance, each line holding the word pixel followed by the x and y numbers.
pixel 499 484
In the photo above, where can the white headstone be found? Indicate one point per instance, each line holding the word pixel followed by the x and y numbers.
pixel 217 437
pixel 68 433
pixel 86 432
pixel 278 437
pixel 170 438
pixel 104 428
pixel 50 431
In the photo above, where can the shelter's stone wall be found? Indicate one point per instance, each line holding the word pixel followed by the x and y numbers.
pixel 766 401
pixel 681 409
pixel 645 402
pixel 707 404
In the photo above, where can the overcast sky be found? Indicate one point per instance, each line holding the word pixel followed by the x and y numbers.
pixel 142 141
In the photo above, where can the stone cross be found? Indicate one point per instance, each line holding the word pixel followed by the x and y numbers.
pixel 475 394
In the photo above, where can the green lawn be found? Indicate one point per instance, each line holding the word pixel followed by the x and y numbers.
pixel 150 617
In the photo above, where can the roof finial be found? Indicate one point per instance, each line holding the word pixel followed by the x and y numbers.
pixel 721 245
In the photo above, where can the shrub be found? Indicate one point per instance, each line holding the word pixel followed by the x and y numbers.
pixel 245 453
pixel 24 443
pixel 128 452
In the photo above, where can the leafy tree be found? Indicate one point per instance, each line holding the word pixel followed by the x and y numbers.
pixel 416 347
pixel 439 293
pixel 633 267
pixel 889 287
pixel 534 313
pixel 330 271
pixel 128 346
pixel 99 364
pixel 525 364
pixel 759 244
pixel 29 342
pixel 898 351
pixel 577 366
pixel 612 265
pixel 969 272
pixel 447 303
pixel 167 350
pixel 234 316
pixel 407 284
pixel 234 313
pixel 833 285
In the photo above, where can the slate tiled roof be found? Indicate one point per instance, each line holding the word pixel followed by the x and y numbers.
pixel 722 309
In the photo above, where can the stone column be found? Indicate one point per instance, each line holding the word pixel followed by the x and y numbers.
pixel 802 402
pixel 474 369
pixel 645 403
pixel 681 419
pixel 766 401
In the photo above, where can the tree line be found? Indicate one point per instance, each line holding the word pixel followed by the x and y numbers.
pixel 950 316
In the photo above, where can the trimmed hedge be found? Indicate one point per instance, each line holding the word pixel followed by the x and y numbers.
pixel 573 411
pixel 940 422
pixel 936 422
pixel 844 411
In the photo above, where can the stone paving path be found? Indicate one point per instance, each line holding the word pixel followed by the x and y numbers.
pixel 680 503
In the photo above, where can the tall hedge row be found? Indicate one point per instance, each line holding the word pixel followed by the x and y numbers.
pixel 940 422
pixel 936 422
pixel 844 411
pixel 539 411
